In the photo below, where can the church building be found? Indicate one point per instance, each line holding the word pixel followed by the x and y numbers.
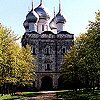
pixel 49 41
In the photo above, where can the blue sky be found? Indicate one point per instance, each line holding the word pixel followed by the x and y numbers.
pixel 76 12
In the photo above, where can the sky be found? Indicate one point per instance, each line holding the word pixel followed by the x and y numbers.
pixel 76 12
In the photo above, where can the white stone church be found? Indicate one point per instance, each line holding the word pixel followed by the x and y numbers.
pixel 49 42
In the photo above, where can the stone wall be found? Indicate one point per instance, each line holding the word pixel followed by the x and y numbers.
pixel 49 49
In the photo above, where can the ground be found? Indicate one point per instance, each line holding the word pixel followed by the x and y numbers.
pixel 45 95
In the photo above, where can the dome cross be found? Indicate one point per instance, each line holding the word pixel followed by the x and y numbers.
pixel 54 11
pixel 59 6
pixel 41 1
pixel 32 4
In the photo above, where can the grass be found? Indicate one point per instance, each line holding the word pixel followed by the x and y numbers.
pixel 67 95
pixel 18 95
pixel 79 95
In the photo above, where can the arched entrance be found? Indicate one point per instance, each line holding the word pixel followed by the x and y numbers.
pixel 46 83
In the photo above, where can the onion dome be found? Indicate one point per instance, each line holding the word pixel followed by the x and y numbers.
pixel 42 11
pixel 32 16
pixel 59 17
pixel 26 24
pixel 52 24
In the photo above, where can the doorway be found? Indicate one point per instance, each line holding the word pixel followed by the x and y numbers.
pixel 46 83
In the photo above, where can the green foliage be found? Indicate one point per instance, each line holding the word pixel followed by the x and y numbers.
pixel 78 95
pixel 82 62
pixel 18 95
pixel 27 68
pixel 7 55
pixel 16 64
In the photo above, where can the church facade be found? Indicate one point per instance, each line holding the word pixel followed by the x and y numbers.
pixel 49 42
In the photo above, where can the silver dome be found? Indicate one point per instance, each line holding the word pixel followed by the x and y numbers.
pixel 60 18
pixel 32 16
pixel 52 24
pixel 26 24
pixel 42 12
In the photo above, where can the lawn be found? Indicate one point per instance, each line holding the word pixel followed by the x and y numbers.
pixel 18 95
pixel 79 95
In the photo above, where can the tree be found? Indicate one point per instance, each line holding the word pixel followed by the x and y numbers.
pixel 27 67
pixel 16 64
pixel 7 44
pixel 84 57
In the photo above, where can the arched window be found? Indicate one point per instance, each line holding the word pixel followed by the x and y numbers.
pixel 64 50
pixel 34 51
pixel 46 27
pixel 47 67
pixel 37 28
pixel 47 51
pixel 42 27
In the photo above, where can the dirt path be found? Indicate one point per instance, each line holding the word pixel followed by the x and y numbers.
pixel 46 96
pixel 43 96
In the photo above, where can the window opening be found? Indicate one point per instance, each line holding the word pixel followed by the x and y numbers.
pixel 34 52
pixel 63 50
pixel 47 67
pixel 42 27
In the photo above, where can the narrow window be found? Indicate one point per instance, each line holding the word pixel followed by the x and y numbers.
pixel 37 28
pixel 47 27
pixel 42 27
pixel 63 50
pixel 47 67
pixel 34 53
pixel 47 51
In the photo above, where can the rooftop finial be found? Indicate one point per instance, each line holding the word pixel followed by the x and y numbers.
pixel 54 11
pixel 32 4
pixel 41 2
pixel 59 6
